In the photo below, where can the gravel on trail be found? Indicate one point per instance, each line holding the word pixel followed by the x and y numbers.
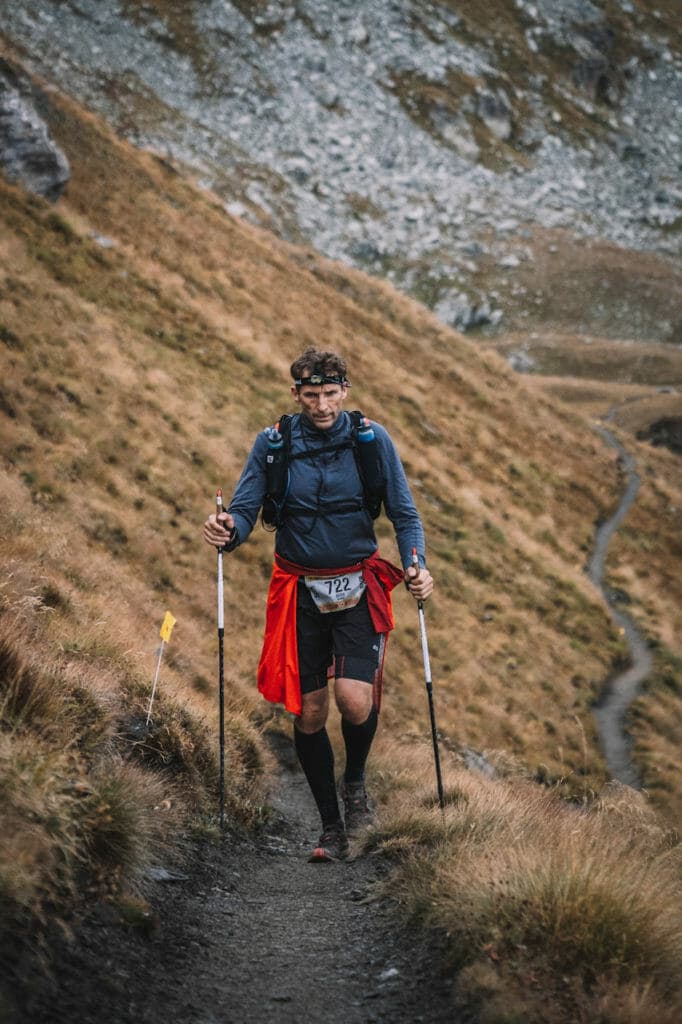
pixel 251 932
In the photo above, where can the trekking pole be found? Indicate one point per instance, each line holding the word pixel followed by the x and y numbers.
pixel 221 665
pixel 429 689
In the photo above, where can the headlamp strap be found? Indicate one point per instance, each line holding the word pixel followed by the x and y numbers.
pixel 320 378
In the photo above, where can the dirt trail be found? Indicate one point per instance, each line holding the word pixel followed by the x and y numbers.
pixel 254 934
pixel 620 690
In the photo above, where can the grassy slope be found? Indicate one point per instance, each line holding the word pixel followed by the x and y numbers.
pixel 549 915
pixel 140 374
pixel 133 380
pixel 643 565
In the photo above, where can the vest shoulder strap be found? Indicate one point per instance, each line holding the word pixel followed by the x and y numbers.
pixel 277 468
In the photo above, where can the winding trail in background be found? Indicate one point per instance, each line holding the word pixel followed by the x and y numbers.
pixel 620 690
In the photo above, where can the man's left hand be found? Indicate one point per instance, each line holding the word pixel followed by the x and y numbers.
pixel 419 582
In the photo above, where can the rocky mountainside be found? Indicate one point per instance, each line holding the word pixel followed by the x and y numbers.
pixel 453 147
pixel 27 153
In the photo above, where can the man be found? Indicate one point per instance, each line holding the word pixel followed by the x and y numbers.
pixel 329 606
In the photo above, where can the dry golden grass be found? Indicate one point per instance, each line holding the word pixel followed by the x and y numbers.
pixel 637 415
pixel 89 796
pixel 132 369
pixel 171 406
pixel 596 398
pixel 571 298
pixel 133 381
pixel 618 363
pixel 76 811
pixel 547 912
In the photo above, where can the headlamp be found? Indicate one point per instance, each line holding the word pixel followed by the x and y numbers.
pixel 317 379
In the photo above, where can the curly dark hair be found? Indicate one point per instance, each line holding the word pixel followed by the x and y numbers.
pixel 328 364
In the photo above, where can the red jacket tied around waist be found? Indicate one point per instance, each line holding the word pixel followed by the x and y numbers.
pixel 278 677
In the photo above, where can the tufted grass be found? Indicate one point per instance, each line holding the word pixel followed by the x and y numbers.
pixel 543 910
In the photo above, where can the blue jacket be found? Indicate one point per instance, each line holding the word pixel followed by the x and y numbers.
pixel 328 539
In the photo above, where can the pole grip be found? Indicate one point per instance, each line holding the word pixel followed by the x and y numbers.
pixel 219 507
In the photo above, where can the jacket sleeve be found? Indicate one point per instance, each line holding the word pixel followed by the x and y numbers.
pixel 399 503
pixel 250 490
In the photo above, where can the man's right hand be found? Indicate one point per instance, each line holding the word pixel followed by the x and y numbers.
pixel 219 530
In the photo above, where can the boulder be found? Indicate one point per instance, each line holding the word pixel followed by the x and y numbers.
pixel 459 312
pixel 494 110
pixel 597 72
pixel 28 156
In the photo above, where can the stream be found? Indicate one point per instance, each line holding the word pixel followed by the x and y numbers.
pixel 620 690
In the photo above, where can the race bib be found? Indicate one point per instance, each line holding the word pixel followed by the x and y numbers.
pixel 334 593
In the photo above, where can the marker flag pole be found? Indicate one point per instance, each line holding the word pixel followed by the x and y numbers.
pixel 221 665
pixel 429 689
pixel 165 634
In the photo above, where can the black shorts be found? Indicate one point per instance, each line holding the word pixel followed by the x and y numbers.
pixel 346 638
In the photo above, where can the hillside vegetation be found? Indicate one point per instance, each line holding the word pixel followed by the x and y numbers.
pixel 145 337
pixel 549 914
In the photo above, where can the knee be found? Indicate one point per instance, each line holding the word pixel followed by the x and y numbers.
pixel 311 722
pixel 354 702
pixel 356 714
pixel 314 710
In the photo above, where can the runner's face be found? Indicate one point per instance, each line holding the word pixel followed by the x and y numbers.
pixel 321 404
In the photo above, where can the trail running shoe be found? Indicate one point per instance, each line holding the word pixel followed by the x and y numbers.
pixel 332 845
pixel 358 812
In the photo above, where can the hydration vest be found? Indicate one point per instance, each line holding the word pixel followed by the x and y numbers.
pixel 279 455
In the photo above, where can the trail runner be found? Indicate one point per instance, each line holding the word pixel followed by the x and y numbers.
pixel 329 605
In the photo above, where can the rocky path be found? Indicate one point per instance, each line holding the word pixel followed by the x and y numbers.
pixel 254 934
pixel 620 690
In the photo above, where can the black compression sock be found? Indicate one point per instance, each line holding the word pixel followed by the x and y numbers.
pixel 317 761
pixel 358 740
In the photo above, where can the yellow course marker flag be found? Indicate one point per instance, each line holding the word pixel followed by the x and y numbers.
pixel 167 627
